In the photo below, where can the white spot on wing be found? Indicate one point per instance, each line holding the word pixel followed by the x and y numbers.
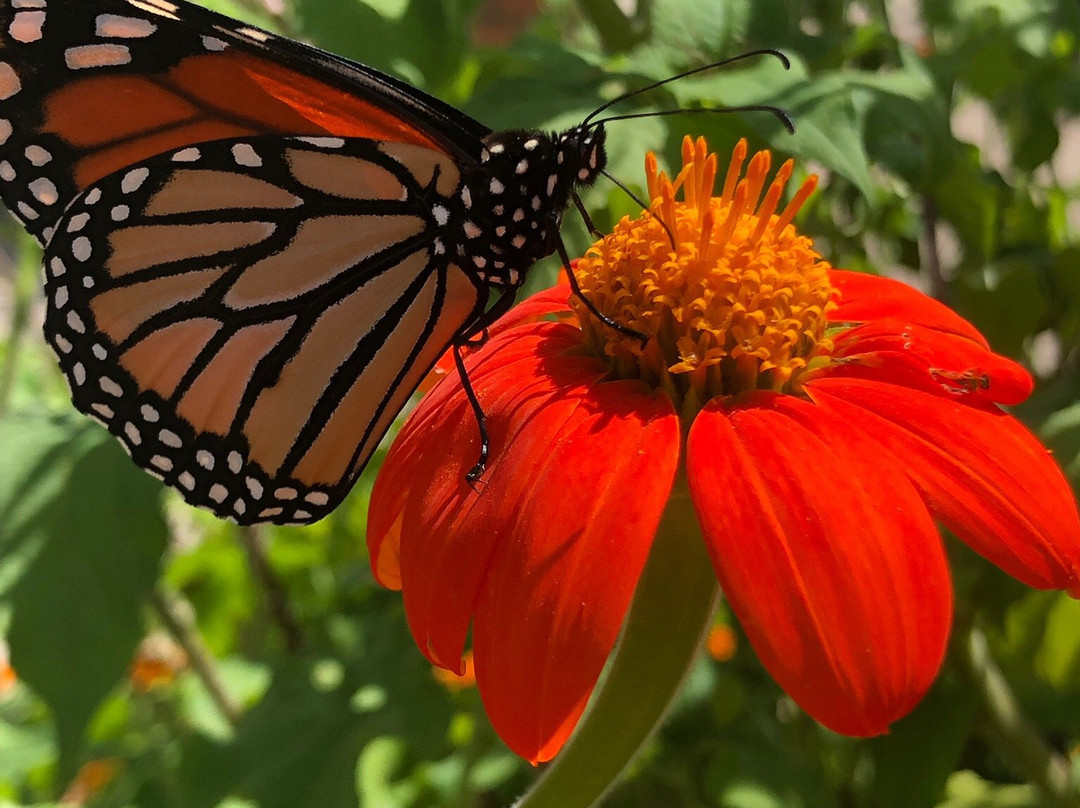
pixel 75 323
pixel 7 171
pixel 254 33
pixel 218 493
pixel 441 214
pixel 159 7
pixel 245 155
pixel 134 179
pixel 27 212
pixel 37 155
pixel 496 186
pixel 119 213
pixel 26 26
pixel 115 25
pixel 205 459
pixel 109 386
pixel 170 439
pixel 5 130
pixel 161 462
pixel 186 481
pixel 81 249
pixel 9 81
pixel 133 433
pixel 188 155
pixel 212 43
pixel 44 191
pixel 82 57
pixel 92 196
pixel 148 413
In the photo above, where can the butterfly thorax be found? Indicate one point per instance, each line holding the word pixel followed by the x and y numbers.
pixel 512 202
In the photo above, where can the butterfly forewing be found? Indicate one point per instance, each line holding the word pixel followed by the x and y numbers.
pixel 91 87
pixel 247 316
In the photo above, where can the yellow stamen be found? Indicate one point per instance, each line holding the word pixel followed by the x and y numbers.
pixel 738 304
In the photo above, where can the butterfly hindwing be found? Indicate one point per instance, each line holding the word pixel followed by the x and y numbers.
pixel 247 316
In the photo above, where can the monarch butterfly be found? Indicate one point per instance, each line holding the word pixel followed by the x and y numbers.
pixel 255 250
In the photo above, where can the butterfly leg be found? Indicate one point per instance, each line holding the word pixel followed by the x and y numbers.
pixel 576 290
pixel 477 471
pixel 476 336
pixel 585 217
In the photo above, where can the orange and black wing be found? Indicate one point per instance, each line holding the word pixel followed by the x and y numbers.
pixel 89 87
pixel 243 275
pixel 247 316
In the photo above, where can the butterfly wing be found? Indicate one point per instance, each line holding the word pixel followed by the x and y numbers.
pixel 242 279
pixel 90 87
pixel 247 316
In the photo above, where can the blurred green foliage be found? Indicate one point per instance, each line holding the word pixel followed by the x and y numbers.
pixel 948 143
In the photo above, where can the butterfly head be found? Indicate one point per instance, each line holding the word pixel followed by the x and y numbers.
pixel 581 150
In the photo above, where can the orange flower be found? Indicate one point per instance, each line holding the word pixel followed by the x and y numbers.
pixel 8 678
pixel 821 420
pixel 157 663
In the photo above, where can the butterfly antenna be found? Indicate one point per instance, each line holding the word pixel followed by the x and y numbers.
pixel 730 60
pixel 782 116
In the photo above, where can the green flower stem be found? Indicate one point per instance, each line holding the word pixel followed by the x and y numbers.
pixel 1006 728
pixel 672 609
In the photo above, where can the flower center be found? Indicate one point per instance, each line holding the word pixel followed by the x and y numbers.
pixel 731 297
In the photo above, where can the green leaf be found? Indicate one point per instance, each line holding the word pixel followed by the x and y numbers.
pixel 688 34
pixel 298 747
pixel 81 537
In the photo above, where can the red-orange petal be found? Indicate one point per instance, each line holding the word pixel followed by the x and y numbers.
pixel 863 298
pixel 827 556
pixel 544 560
pixel 980 471
pixel 921 357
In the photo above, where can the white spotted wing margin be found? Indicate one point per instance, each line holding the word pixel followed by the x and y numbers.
pixel 248 316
